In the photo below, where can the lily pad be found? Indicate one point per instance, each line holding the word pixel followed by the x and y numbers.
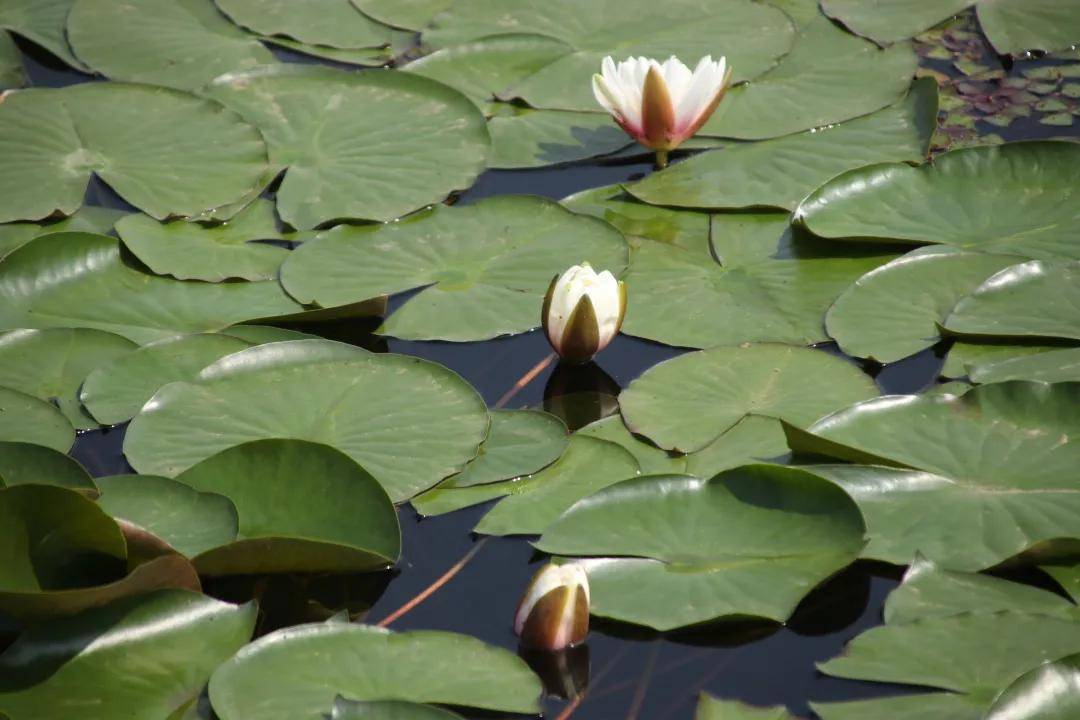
pixel 710 708
pixel 335 23
pixel 894 310
pixel 262 334
pixel 1014 27
pixel 753 439
pixel 520 442
pixel 41 22
pixel 190 251
pixel 484 267
pixel 164 151
pixel 779 173
pixel 12 74
pixel 302 507
pixel 25 419
pixel 828 77
pixel 651 459
pixel 296 673
pixel 176 43
pixel 28 464
pixel 978 477
pixel 407 421
pixel 1047 692
pixel 86 219
pixel 411 15
pixel 1051 366
pixel 688 402
pixel 1030 209
pixel 141 657
pixel 1068 576
pixel 637 221
pixel 892 20
pixel 528 138
pixel 388 710
pixel 90 286
pixel 964 356
pixel 341 137
pixel 753 37
pixel 115 391
pixel 1036 299
pixel 750 542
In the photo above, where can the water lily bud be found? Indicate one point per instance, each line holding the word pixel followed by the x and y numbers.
pixel 661 104
pixel 554 612
pixel 583 311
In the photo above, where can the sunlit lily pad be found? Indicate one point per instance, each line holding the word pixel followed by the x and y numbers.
pixel 343 138
pixel 683 228
pixel 86 219
pixel 164 151
pixel 408 422
pixel 177 43
pixel 296 673
pixel 1050 691
pixel 750 542
pixel 1030 208
pixel 484 267
pixel 91 286
pixel 115 391
pixel 26 464
pixel 978 478
pixel 142 657
pixel 411 15
pixel 651 459
pixel 1062 365
pixel 892 20
pixel 41 22
pixel 779 173
pixel 526 138
pixel 12 74
pixel 26 419
pixel 520 442
pixel 1017 26
pixel 688 402
pixel 335 23
pixel 388 710
pixel 894 310
pixel 710 708
pixel 964 356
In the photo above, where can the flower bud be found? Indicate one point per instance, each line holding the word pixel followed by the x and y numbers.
pixel 583 311
pixel 554 612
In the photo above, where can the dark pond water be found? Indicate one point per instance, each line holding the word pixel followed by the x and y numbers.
pixel 629 672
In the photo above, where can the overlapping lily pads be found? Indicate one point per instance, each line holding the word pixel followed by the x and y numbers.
pixel 976 478
pixel 334 23
pixel 12 74
pixel 86 219
pixel 484 267
pixel 164 151
pixel 1046 692
pixel 388 710
pixel 26 463
pixel 41 22
pixel 681 551
pixel 296 673
pixel 779 173
pixel 372 145
pixel 26 419
pixel 686 229
pixel 412 15
pixel 710 708
pixel 408 422
pixel 520 442
pixel 1030 209
pixel 1058 365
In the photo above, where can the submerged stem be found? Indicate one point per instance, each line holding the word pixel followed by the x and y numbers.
pixel 661 159
pixel 524 380
pixel 430 589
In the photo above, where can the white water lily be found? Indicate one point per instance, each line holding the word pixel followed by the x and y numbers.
pixel 554 611
pixel 583 311
pixel 661 104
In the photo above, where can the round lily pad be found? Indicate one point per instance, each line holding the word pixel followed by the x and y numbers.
pixel 29 464
pixel 408 422
pixel 1014 27
pixel 411 15
pixel 688 402
pixel 887 22
pixel 86 219
pixel 484 267
pixel 528 138
pixel 41 22
pixel 686 229
pixel 520 442
pixel 1046 692
pixel 710 708
pixel 1030 209
pixel 343 139
pixel 651 459
pixel 26 419
pixel 335 23
pixel 387 710
pixel 1061 365
pixel 296 673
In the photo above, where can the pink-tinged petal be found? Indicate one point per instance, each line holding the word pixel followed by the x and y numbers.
pixel 707 111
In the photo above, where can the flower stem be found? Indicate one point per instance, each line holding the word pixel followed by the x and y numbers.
pixel 661 159
pixel 525 379
pixel 433 587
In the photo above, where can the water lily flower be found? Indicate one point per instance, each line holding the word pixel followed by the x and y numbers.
pixel 661 104
pixel 583 311
pixel 554 612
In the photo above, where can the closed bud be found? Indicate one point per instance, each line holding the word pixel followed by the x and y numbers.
pixel 583 311
pixel 554 612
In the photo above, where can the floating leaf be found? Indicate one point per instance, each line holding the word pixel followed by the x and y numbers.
pixel 688 402
pixel 411 15
pixel 25 419
pixel 86 219
pixel 779 173
pixel 1051 366
pixel 992 473
pixel 1050 691
pixel 887 22
pixel 387 710
pixel 1017 26
pixel 527 138
pixel 141 657
pixel 1062 119
pixel 682 228
pixel 335 134
pixel 520 442
pixel 41 22
pixel 296 673
pixel 651 459
pixel 407 421
pixel 965 355
pixel 710 708
pixel 26 464
pixel 484 267
pixel 335 23
pixel 12 74
pixel 1068 576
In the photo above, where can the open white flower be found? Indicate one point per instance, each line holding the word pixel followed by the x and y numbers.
pixel 661 104
pixel 583 311
pixel 554 611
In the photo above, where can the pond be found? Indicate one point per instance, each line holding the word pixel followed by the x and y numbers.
pixel 462 567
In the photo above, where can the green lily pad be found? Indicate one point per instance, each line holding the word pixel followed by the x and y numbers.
pixel 176 43
pixel 651 459
pixel 753 439
pixel 411 15
pixel 779 173
pixel 51 364
pixel 26 464
pixel 90 286
pixel 964 356
pixel 341 138
pixel 528 138
pixel 1014 27
pixel 407 421
pixel 12 74
pixel 894 310
pixel 521 442
pixel 189 251
pixel 25 419
pixel 335 23
pixel 1035 299
pixel 939 705
pixel 141 657
pixel 387 710
pixel 302 507
pixel 892 20
pixel 1068 576
pixel 295 674
pixel 752 35
pixel 828 77
pixel 1047 692
pixel 637 221
pixel 1029 209
pixel 1061 365
pixel 781 532
pixel 262 334
pixel 41 22
pixel 978 477
pixel 115 391
pixel 166 152
pixel 86 219
pixel 688 402
pixel 484 267
pixel 366 57
pixel 710 708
